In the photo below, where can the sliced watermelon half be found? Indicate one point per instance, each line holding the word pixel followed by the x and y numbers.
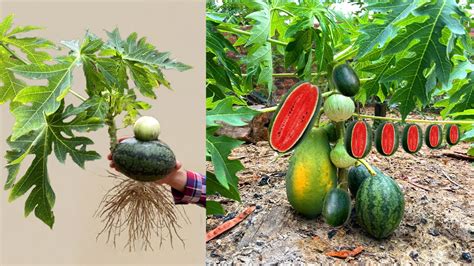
pixel 386 139
pixel 412 138
pixel 294 116
pixel 433 136
pixel 358 139
pixel 452 134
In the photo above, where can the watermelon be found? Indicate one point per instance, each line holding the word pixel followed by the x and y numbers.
pixel 386 138
pixel 294 116
pixel 346 80
pixel 433 136
pixel 412 138
pixel 337 207
pixel 144 161
pixel 339 108
pixel 379 205
pixel 358 139
pixel 452 134
pixel 310 174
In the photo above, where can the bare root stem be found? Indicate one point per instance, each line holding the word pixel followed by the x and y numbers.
pixel 140 210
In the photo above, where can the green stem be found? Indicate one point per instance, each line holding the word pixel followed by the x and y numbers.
pixel 318 118
pixel 343 178
pixel 367 165
pixel 284 11
pixel 112 130
pixel 345 54
pixel 422 121
pixel 77 95
pixel 13 53
pixel 340 130
pixel 273 108
pixel 246 33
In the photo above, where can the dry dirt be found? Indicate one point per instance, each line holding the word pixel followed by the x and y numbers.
pixel 438 225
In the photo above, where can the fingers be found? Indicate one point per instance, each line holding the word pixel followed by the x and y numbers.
pixel 178 165
pixel 122 139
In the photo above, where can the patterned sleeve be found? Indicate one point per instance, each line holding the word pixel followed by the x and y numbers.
pixel 194 192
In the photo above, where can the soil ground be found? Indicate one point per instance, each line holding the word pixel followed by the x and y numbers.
pixel 438 225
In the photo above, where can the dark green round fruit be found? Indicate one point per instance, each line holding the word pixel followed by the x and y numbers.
pixel 144 161
pixel 337 207
pixel 380 205
pixel 346 80
pixel 357 175
pixel 294 116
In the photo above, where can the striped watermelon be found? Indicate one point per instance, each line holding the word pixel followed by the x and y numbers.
pixel 379 205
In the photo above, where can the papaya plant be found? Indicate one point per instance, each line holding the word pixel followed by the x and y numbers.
pixel 116 71
pixel 411 54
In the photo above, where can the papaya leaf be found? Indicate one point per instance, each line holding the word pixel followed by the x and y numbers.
pixel 219 149
pixel 214 207
pixel 11 86
pixel 215 188
pixel 224 112
pixel 378 32
pixel 37 102
pixel 41 143
pixel 31 46
pixel 425 31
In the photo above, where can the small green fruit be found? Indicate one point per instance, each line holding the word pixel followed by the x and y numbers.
pixel 339 156
pixel 146 128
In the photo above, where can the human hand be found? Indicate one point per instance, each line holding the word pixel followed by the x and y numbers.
pixel 176 178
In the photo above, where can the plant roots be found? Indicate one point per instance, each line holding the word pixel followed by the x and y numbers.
pixel 140 209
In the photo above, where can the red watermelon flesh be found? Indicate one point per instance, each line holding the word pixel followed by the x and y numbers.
pixel 413 138
pixel 294 116
pixel 434 136
pixel 454 133
pixel 359 139
pixel 388 138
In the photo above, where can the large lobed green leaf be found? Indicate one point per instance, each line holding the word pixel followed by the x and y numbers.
pixel 423 36
pixel 55 135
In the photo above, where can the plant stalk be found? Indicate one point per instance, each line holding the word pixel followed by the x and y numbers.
pixel 459 122
pixel 13 53
pixel 340 129
pixel 367 165
pixel 246 33
pixel 112 130
pixel 318 118
pixel 343 181
pixel 284 11
pixel 273 108
pixel 77 95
